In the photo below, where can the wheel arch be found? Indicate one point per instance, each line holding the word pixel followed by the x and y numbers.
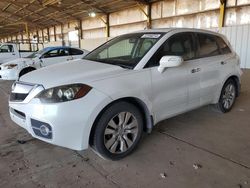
pixel 236 79
pixel 25 68
pixel 148 121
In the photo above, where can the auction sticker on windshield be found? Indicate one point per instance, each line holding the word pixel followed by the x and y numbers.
pixel 151 36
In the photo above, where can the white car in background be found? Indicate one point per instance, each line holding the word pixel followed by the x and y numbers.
pixel 11 51
pixel 125 87
pixel 12 70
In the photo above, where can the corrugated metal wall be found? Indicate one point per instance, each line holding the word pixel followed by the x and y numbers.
pixel 239 37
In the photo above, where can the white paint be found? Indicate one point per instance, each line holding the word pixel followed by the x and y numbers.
pixel 174 91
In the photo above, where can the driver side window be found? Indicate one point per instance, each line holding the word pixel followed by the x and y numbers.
pixel 180 44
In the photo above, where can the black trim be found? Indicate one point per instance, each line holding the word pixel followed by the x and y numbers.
pixel 20 113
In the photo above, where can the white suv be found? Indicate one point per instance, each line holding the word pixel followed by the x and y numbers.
pixel 125 87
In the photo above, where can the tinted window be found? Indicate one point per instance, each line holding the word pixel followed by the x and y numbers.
pixel 63 52
pixel 207 45
pixel 56 53
pixel 74 51
pixel 180 44
pixel 223 46
pixel 6 48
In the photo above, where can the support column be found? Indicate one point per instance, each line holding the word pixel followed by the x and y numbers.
pixel 107 26
pixel 223 4
pixel 43 35
pixel 63 42
pixel 37 35
pixel 149 17
pixel 48 34
pixel 28 35
pixel 55 33
pixel 80 33
pixel 147 14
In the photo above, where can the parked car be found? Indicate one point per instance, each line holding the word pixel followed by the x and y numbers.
pixel 10 51
pixel 126 86
pixel 12 70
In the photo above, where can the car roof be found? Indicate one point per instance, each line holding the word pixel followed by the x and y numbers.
pixel 166 30
pixel 60 47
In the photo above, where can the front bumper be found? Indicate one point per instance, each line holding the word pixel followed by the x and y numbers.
pixel 8 74
pixel 70 122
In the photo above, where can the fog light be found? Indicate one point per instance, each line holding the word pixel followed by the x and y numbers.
pixel 41 129
pixel 44 130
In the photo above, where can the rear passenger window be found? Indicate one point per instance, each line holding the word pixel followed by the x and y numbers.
pixel 74 51
pixel 180 44
pixel 208 46
pixel 223 46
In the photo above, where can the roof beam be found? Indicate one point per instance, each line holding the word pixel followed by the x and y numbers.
pixel 31 11
pixel 26 5
pixel 63 11
pixel 93 6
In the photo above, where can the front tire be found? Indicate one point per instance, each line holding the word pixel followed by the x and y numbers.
pixel 118 131
pixel 227 97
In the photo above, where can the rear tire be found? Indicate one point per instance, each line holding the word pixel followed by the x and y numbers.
pixel 227 97
pixel 118 131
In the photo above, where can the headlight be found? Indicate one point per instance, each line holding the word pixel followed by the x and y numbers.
pixel 10 66
pixel 64 93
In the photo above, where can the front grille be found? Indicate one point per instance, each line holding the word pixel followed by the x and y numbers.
pixel 18 97
pixel 20 91
pixel 23 92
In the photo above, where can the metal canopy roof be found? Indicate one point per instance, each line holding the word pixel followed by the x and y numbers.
pixel 39 14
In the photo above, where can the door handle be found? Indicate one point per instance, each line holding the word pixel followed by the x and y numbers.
pixel 223 62
pixel 195 70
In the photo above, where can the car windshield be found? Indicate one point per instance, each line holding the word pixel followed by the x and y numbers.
pixel 35 54
pixel 125 51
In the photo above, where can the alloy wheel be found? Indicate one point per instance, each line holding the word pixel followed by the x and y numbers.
pixel 228 96
pixel 121 132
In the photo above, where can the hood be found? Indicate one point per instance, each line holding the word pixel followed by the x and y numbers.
pixel 79 71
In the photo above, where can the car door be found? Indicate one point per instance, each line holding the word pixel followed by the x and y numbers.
pixel 210 59
pixel 76 53
pixel 170 88
pixel 54 56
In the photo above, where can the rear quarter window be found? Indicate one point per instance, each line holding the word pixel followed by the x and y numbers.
pixel 207 45
pixel 74 51
pixel 223 46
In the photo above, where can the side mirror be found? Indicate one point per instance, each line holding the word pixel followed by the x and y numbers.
pixel 169 61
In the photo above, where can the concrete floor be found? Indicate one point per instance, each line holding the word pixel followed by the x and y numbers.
pixel 218 143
